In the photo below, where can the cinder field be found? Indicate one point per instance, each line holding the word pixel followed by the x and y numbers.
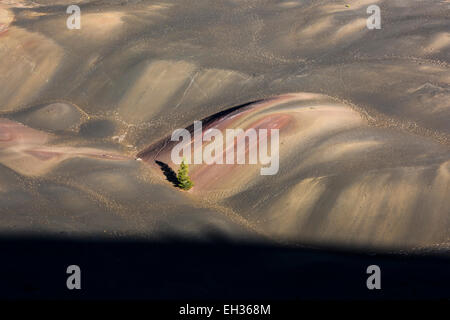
pixel 363 116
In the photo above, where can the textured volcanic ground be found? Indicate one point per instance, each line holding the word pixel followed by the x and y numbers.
pixel 364 120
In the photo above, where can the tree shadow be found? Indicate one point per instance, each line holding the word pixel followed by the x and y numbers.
pixel 168 172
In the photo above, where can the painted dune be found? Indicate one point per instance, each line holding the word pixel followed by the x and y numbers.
pixel 29 151
pixel 340 180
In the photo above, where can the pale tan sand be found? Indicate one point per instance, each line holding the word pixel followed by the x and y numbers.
pixel 29 60
pixel 6 17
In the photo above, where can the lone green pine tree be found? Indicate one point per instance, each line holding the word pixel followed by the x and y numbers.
pixel 184 182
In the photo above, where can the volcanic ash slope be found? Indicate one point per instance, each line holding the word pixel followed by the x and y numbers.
pixel 340 180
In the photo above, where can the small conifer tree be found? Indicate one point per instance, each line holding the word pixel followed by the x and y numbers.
pixel 184 182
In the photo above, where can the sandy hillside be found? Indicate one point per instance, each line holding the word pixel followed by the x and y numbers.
pixel 364 119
